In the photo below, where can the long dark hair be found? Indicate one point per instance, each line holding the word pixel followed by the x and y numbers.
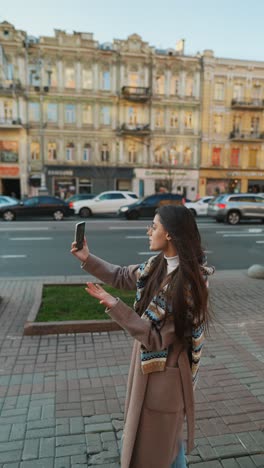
pixel 186 292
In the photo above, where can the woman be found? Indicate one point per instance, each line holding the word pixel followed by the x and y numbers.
pixel 168 322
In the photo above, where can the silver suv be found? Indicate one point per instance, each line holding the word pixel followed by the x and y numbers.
pixel 233 207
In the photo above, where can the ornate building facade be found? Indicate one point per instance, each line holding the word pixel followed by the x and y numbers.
pixel 232 126
pixel 79 116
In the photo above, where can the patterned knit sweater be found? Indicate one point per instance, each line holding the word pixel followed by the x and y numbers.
pixel 155 313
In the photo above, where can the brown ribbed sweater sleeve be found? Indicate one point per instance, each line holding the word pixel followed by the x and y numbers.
pixel 114 275
pixel 151 337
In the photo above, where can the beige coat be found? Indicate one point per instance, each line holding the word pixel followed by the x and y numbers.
pixel 156 403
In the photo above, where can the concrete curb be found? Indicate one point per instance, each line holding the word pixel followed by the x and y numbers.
pixel 71 326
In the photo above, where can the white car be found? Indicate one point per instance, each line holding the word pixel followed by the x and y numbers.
pixel 199 207
pixel 104 203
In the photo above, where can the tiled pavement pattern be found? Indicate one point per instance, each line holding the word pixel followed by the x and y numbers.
pixel 62 397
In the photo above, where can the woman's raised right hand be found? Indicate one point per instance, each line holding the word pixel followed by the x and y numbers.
pixel 82 254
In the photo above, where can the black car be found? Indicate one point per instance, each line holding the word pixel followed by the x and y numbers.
pixel 43 205
pixel 147 206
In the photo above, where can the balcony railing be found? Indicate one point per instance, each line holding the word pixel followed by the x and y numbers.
pixel 9 123
pixel 136 93
pixel 248 104
pixel 246 137
pixel 137 130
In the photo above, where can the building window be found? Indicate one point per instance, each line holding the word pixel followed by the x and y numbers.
pixel 105 115
pixel 256 92
pixel 9 151
pixel 159 119
pixel 70 152
pixel 236 123
pixel 106 80
pixel 174 119
pixel 189 86
pixel 238 91
pixel 188 120
pixel 132 154
pixel 87 152
pixel 218 123
pixel 252 157
pixel 175 85
pixel 254 125
pixel 70 113
pixel 10 72
pixel 173 156
pixel 132 116
pixel 52 112
pixel 234 160
pixel 35 151
pixel 187 156
pixel 52 151
pixel 87 114
pixel 105 153
pixel 216 156
pixel 33 76
pixel 69 77
pixel 34 111
pixel 8 112
pixel 87 78
pixel 133 79
pixel 219 91
pixel 52 76
pixel 160 84
pixel 160 155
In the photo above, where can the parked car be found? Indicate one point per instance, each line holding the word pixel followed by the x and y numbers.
pixel 104 203
pixel 236 206
pixel 199 207
pixel 80 196
pixel 147 206
pixel 5 200
pixel 43 205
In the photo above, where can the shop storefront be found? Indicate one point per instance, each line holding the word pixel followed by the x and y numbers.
pixel 10 180
pixel 216 182
pixel 63 181
pixel 149 181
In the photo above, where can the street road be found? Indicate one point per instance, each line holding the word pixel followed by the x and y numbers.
pixel 41 248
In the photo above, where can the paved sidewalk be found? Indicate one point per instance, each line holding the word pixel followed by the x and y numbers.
pixel 62 396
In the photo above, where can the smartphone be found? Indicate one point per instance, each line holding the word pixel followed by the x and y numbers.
pixel 79 234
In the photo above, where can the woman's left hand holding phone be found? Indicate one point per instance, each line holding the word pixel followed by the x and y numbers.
pixel 81 254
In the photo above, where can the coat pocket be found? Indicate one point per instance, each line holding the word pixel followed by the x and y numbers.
pixel 164 391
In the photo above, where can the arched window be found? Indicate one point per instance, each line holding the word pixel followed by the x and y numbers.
pixel 87 152
pixel 70 152
pixel 52 151
pixel 160 155
pixel 132 154
pixel 35 151
pixel 173 156
pixel 105 153
pixel 187 156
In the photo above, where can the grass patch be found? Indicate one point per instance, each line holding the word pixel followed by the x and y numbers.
pixel 62 303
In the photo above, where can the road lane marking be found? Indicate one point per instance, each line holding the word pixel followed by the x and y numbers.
pixel 29 238
pixel 260 242
pixel 24 228
pixel 136 237
pixel 123 228
pixel 148 253
pixel 242 235
pixel 12 256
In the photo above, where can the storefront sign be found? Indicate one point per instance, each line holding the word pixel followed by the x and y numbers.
pixel 245 174
pixel 60 172
pixel 11 171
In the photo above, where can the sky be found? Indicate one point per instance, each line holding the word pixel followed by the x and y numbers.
pixel 231 28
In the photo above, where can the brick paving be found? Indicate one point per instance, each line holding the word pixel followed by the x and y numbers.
pixel 62 396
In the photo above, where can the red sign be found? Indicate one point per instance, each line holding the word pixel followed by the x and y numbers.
pixel 9 171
